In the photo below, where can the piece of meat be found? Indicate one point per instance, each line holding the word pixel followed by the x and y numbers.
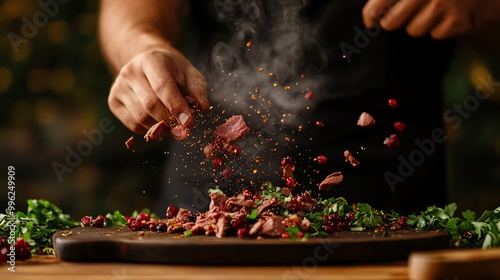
pixel 157 131
pixel 366 119
pixel 392 142
pixel 266 204
pixel 273 226
pixel 184 215
pixel 129 142
pixel 221 226
pixel 218 200
pixel 286 191
pixel 288 171
pixel 233 129
pixel 331 180
pixel 179 132
pixel 256 227
pixel 305 224
pixel 208 150
pixel 349 157
pixel 238 202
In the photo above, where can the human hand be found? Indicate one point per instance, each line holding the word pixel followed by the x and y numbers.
pixel 440 18
pixel 153 87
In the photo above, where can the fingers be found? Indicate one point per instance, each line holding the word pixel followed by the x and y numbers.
pixel 425 21
pixel 196 87
pixel 373 11
pixel 401 13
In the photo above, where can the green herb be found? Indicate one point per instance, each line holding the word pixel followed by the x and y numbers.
pixel 216 190
pixel 253 215
pixel 116 219
pixel 187 233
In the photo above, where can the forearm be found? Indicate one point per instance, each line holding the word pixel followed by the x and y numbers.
pixel 128 27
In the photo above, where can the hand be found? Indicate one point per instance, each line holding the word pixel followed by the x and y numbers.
pixel 152 87
pixel 440 18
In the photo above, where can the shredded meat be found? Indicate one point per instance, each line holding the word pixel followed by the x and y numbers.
pixel 157 131
pixel 349 157
pixel 129 142
pixel 267 204
pixel 331 180
pixel 273 226
pixel 366 119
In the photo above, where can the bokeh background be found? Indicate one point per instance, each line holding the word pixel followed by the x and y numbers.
pixel 56 85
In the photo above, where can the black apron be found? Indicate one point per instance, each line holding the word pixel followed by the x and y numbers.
pixel 349 69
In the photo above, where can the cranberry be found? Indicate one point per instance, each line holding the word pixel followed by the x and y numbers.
pixel 322 159
pixel 290 181
pixel 227 172
pixel 469 236
pixel 217 162
pixel 161 227
pixel 286 161
pixel 294 205
pixel 350 215
pixel 101 217
pixel 217 145
pixel 235 150
pixel 306 196
pixel 136 225
pixel 243 232
pixel 300 235
pixel 318 123
pixel 247 194
pixel 152 227
pixel 129 221
pixel 402 221
pixel 143 217
pixel 393 103
pixel 23 250
pixel 309 95
pixel 392 142
pixel 98 222
pixel 400 126
pixel 86 221
pixel 285 235
pixel 172 211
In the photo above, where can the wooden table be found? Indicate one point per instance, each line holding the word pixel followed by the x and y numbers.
pixel 49 267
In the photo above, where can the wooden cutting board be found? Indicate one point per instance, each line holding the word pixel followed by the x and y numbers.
pixel 124 245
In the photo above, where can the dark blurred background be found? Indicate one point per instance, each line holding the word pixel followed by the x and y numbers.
pixel 55 85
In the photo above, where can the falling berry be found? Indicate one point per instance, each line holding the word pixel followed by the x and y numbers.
pixel 322 159
pixel 309 95
pixel 247 194
pixel 172 211
pixel 393 103
pixel 318 123
pixel 400 126
pixel 217 162
pixel 392 142
pixel 235 150
pixel 286 161
pixel 290 181
pixel 227 173
pixel 285 235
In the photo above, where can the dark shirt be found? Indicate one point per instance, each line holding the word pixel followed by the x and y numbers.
pixel 350 70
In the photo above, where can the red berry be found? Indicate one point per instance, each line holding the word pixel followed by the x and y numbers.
pixel 98 222
pixel 285 235
pixel 318 123
pixel 350 215
pixel 247 194
pixel 300 235
pixel 322 159
pixel 393 103
pixel 136 225
pixel 227 172
pixel 235 150
pixel 399 126
pixel 306 196
pixel 309 95
pixel 23 250
pixel 217 162
pixel 86 221
pixel 172 211
pixel 161 227
pixel 217 145
pixel 294 205
pixel 290 181
pixel 143 217
pixel 243 232
pixel 286 161
pixel 392 142
pixel 152 227
pixel 129 221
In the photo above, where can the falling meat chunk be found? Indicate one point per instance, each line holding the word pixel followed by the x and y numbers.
pixel 233 129
pixel 331 180
pixel 129 142
pixel 366 119
pixel 208 150
pixel 157 131
pixel 179 132
pixel 349 157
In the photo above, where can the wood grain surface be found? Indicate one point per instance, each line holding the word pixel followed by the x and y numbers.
pixel 123 245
